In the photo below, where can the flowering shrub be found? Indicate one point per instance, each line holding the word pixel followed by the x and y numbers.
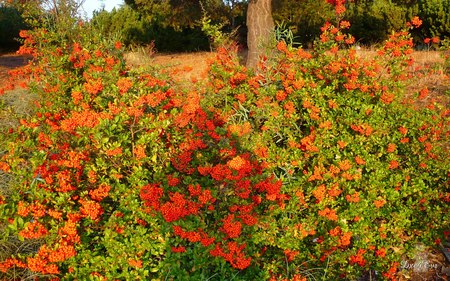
pixel 120 174
pixel 315 160
pixel 365 173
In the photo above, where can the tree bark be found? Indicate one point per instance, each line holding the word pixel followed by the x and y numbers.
pixel 260 27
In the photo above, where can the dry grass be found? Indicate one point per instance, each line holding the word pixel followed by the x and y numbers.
pixel 428 71
pixel 14 104
pixel 184 67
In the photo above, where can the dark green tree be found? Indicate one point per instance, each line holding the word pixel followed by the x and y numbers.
pixel 304 18
pixel 11 22
pixel 373 20
pixel 435 15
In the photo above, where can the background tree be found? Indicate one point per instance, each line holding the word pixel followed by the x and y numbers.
pixel 178 14
pixel 174 25
pixel 260 25
pixel 436 18
pixel 372 21
pixel 304 18
pixel 11 22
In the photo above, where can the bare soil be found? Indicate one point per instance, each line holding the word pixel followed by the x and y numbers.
pixel 187 67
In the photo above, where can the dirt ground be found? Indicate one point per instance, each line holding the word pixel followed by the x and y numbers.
pixel 9 61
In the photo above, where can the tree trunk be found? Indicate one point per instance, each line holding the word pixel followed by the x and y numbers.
pixel 260 27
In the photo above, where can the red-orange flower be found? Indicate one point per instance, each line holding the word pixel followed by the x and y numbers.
pixel 358 258
pixel 135 263
pixel 341 144
pixel 238 163
pixel 100 193
pixel 231 227
pixel 91 209
pixel 77 97
pixel 423 93
pixel 319 192
pixel 353 198
pixel 290 254
pixel 416 22
pixel 139 152
pixel 329 214
pixel 179 249
pixel 33 230
pixel 387 98
pixel 281 46
pixel 403 130
pixel 151 195
pixel 344 24
pixel 124 84
pixel 114 151
pixel 345 239
pixel 345 165
pixel 360 161
pixel 381 252
pixel 391 147
pixel 379 203
pixel 393 164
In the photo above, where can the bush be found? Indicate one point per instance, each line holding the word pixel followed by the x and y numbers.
pixel 314 160
pixel 358 162
pixel 374 21
pixel 436 18
pixel 118 173
pixel 134 29
pixel 11 22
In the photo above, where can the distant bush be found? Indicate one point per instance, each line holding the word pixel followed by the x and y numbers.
pixel 303 18
pixel 436 18
pixel 11 22
pixel 373 21
pixel 136 29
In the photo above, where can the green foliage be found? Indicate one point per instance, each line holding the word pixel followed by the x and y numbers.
pixel 315 165
pixel 304 18
pixel 123 23
pixel 135 29
pixel 179 14
pixel 217 37
pixel 358 163
pixel 373 21
pixel 436 18
pixel 11 22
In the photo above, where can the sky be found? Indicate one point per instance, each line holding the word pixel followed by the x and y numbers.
pixel 90 5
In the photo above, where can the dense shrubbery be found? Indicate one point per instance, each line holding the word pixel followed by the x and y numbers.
pixel 11 23
pixel 315 164
pixel 358 162
pixel 176 28
pixel 135 29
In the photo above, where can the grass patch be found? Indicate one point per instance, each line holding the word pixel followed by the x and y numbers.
pixel 14 105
